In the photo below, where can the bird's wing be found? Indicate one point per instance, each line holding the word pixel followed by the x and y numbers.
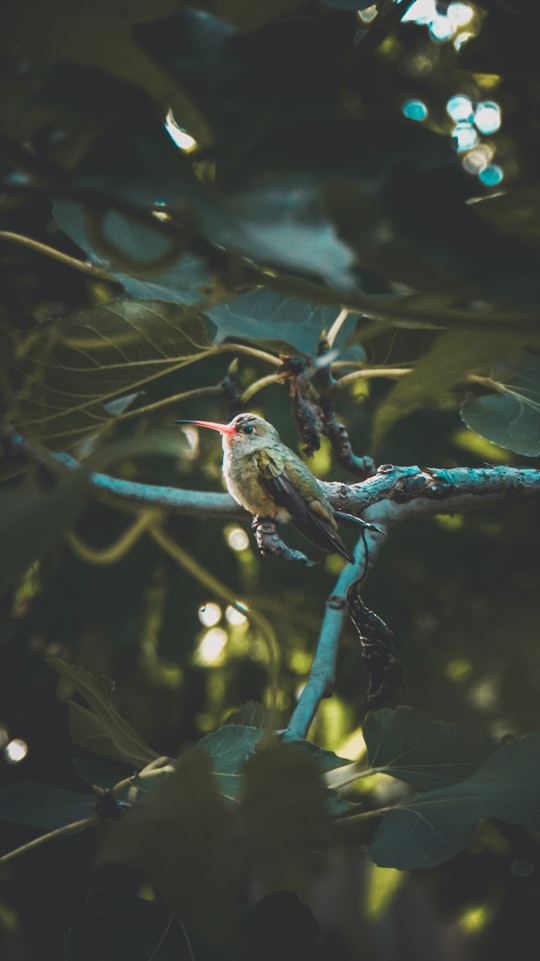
pixel 319 529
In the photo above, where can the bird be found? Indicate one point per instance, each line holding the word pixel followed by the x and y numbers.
pixel 270 481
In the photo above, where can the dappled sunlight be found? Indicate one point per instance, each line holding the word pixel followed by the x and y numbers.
pixel 209 614
pixel 179 135
pixel 210 648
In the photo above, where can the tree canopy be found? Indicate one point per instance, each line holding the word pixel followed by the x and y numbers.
pixel 220 743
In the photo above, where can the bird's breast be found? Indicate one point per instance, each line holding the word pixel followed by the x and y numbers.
pixel 242 477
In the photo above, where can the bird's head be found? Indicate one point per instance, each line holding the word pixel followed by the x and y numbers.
pixel 243 434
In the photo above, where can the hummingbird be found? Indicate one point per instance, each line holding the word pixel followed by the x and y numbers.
pixel 270 481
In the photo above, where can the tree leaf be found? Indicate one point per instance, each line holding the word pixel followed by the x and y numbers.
pixel 433 827
pixel 44 806
pixel 103 774
pixel 453 356
pixel 511 418
pixel 425 753
pixel 34 517
pixel 264 316
pixel 99 727
pixel 231 746
pixel 73 369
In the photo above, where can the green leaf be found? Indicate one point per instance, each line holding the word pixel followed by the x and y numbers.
pixel 453 356
pixel 425 753
pixel 73 369
pixel 44 806
pixel 103 774
pixel 433 827
pixel 265 316
pixel 34 517
pixel 229 748
pixel 99 727
pixel 511 418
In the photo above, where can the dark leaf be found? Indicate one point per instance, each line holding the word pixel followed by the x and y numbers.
pixel 433 827
pixel 99 727
pixel 453 356
pixel 510 418
pixel 103 774
pixel 44 806
pixel 425 753
pixel 72 371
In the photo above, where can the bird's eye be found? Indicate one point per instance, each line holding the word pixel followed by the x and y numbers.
pixel 248 428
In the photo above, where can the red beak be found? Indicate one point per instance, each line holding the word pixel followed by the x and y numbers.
pixel 222 428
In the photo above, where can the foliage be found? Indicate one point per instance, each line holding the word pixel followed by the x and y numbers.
pixel 317 251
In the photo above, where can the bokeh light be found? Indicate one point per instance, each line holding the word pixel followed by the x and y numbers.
pixel 464 136
pixel 460 108
pixel 15 751
pixel 491 176
pixel 209 614
pixel 414 110
pixel 234 617
pixel 487 117
pixel 237 539
pixel 211 647
pixel 178 135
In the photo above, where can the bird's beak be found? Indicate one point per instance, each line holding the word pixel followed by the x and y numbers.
pixel 222 428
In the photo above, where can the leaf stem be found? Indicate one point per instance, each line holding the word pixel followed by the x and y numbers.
pixel 50 836
pixel 96 272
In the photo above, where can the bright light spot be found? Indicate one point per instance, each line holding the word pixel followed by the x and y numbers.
pixel 492 175
pixel 380 889
pixel 458 670
pixel 234 616
pixel 460 108
pixel 209 614
pixel 414 110
pixel 354 746
pixel 211 646
pixel 368 14
pixel 462 38
pixel 487 116
pixel 441 29
pixel 15 751
pixel 460 14
pixel 474 919
pixel 484 695
pixel 178 135
pixel 192 438
pixel 478 158
pixel 423 11
pixel 237 539
pixel 464 137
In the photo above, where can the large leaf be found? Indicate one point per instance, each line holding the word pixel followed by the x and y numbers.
pixel 44 806
pixel 99 727
pixel 425 753
pixel 453 356
pixel 261 315
pixel 510 418
pixel 72 370
pixel 433 827
pixel 34 516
